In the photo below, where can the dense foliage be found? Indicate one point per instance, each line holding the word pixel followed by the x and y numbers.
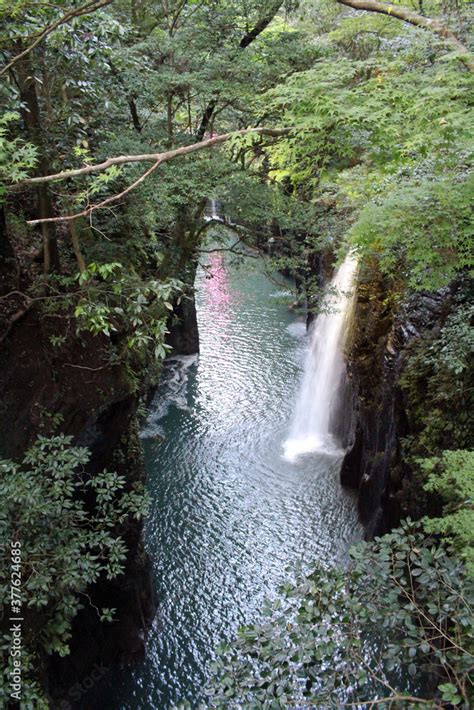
pixel 387 133
pixel 452 476
pixel 437 384
pixel 161 75
pixel 66 527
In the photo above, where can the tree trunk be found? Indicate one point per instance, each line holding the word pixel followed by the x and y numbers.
pixel 76 245
pixel 8 264
pixel 261 25
pixel 206 119
pixel 134 114
pixel 169 119
pixel 247 39
pixel 6 251
pixel 32 120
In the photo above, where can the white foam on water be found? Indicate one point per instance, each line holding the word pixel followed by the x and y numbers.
pixel 172 392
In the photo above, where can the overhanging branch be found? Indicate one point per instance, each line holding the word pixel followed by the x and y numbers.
pixel 100 205
pixel 413 18
pixel 152 157
pixel 155 158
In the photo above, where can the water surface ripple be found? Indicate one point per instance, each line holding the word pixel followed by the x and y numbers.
pixel 229 513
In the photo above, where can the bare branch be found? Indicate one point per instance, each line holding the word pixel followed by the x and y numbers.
pixel 83 367
pixel 395 698
pixel 91 208
pixel 152 157
pixel 231 248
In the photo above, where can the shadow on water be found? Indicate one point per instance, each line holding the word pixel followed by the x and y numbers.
pixel 229 513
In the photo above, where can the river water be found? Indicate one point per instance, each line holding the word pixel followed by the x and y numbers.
pixel 229 513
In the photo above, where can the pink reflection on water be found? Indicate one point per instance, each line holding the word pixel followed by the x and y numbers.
pixel 217 287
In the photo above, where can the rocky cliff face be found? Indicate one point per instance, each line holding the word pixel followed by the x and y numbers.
pixel 74 389
pixel 375 463
pixel 54 381
pixel 184 334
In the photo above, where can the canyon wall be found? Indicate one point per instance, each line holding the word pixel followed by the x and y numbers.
pixel 387 398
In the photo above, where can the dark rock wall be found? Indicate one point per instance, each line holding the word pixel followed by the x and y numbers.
pixel 374 463
pixel 73 389
pixel 184 334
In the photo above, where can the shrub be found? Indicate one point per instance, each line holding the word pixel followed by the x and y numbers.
pixel 452 476
pixel 394 630
pixel 61 529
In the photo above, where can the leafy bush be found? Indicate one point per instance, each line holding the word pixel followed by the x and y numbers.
pixel 66 544
pixel 121 301
pixel 16 156
pixel 437 385
pixel 394 630
pixel 452 476
pixel 421 231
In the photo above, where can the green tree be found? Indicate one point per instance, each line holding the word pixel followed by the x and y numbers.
pixel 61 528
pixel 452 476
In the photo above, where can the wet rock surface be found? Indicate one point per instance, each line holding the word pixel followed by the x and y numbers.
pixel 374 463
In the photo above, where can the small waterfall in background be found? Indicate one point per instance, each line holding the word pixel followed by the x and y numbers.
pixel 212 211
pixel 318 399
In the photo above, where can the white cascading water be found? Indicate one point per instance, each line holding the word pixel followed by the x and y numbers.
pixel 324 370
pixel 214 214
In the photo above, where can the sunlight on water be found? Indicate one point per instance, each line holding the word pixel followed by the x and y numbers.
pixel 229 514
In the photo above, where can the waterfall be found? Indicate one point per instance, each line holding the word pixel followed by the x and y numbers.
pixel 212 211
pixel 324 371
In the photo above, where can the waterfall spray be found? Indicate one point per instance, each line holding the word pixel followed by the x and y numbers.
pixel 318 398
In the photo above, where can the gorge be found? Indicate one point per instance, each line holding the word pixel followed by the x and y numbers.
pixel 236 321
pixel 230 515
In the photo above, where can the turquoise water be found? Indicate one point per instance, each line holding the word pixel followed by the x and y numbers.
pixel 229 513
